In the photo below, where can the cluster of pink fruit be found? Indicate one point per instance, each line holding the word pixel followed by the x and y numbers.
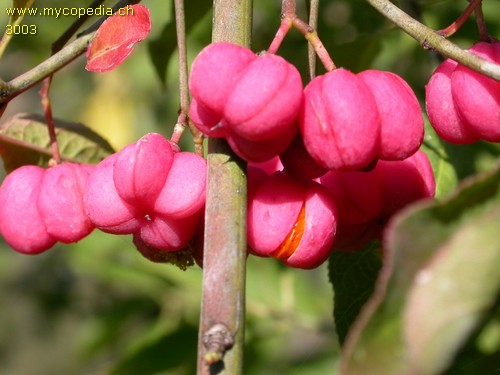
pixel 299 220
pixel 258 103
pixel 148 189
pixel 328 163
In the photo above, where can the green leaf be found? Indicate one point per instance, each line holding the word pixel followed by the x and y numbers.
pixel 24 139
pixel 162 48
pixel 353 276
pixel 440 277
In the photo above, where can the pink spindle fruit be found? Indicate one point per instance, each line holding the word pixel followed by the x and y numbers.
pixel 291 220
pixel 441 109
pixel 141 169
pixel 206 120
pixel 258 151
pixel 339 122
pixel 477 97
pixel 257 172
pixel 21 224
pixel 148 190
pixel 298 163
pixel 404 182
pixel 104 206
pixel 349 121
pixel 463 105
pixel 60 202
pixel 215 71
pixel 252 100
pixel 39 207
pixel 367 200
pixel 357 194
pixel 401 121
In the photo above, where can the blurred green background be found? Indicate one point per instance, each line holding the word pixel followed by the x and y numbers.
pixel 98 307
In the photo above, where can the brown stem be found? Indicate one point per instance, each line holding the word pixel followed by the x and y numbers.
pixel 179 128
pixel 289 20
pixel 311 53
pixel 459 22
pixel 288 8
pixel 313 38
pixel 44 90
pixel 432 40
pixel 198 139
pixel 47 110
pixel 288 13
pixel 180 27
pixel 481 24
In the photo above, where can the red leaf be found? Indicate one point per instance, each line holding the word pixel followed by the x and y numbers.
pixel 115 39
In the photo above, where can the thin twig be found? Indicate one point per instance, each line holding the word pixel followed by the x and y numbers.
pixel 313 38
pixel 25 81
pixel 430 39
pixel 289 20
pixel 47 110
pixel 459 22
pixel 11 89
pixel 180 27
pixel 481 24
pixel 45 89
pixel 313 22
pixel 288 13
pixel 183 119
pixel 285 27
pixel 288 8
